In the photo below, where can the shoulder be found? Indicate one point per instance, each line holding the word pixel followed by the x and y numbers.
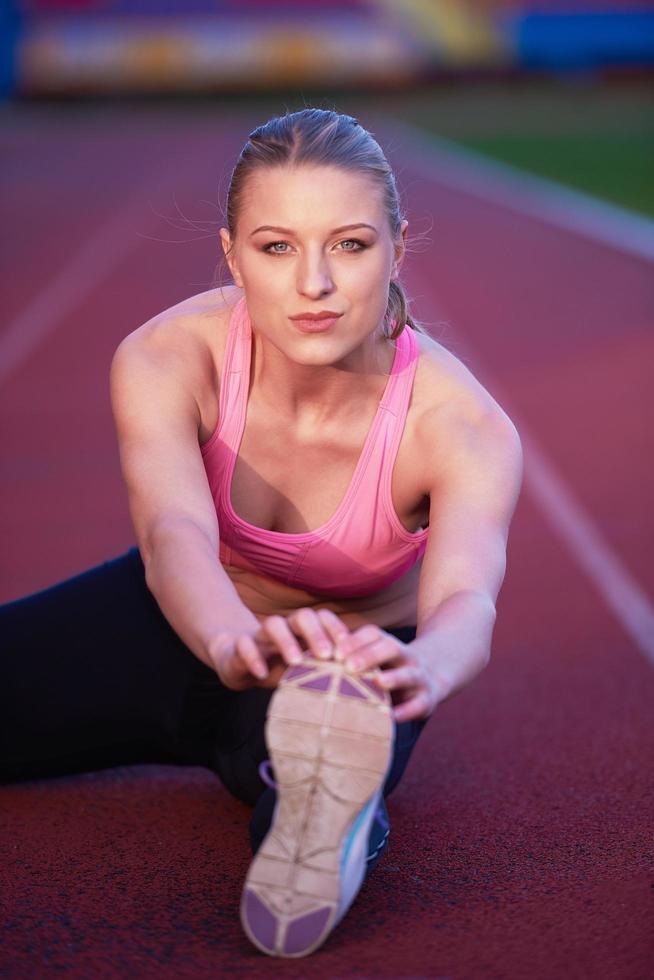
pixel 183 328
pixel 171 364
pixel 459 423
pixel 183 339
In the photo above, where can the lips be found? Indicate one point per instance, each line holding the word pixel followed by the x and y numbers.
pixel 316 322
pixel 324 315
pixel 319 324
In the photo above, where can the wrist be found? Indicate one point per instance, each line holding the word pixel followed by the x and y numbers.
pixel 220 645
pixel 454 643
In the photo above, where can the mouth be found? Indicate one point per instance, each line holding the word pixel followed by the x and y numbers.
pixel 323 315
pixel 315 324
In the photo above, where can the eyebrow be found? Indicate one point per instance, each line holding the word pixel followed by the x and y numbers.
pixel 289 231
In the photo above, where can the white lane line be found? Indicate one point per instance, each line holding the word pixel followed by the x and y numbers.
pixel 546 200
pixel 631 606
pixel 92 263
pixel 582 214
pixel 553 496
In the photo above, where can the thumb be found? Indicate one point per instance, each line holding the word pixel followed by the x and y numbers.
pixel 222 645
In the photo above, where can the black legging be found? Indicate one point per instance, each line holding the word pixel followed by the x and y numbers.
pixel 93 676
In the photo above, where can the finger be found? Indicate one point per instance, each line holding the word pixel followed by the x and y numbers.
pixel 359 638
pixel 337 630
pixel 402 677
pixel 416 707
pixel 274 675
pixel 276 628
pixel 365 634
pixel 305 622
pixel 251 656
pixel 386 650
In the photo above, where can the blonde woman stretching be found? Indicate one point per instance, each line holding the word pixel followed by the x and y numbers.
pixel 321 496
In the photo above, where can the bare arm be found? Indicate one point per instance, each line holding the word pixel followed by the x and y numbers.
pixel 170 502
pixel 475 487
pixel 472 504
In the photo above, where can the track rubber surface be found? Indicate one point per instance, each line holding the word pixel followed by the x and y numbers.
pixel 521 840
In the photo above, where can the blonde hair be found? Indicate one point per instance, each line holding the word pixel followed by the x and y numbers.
pixel 327 138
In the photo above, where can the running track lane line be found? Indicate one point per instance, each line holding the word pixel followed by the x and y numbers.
pixel 522 192
pixel 94 260
pixel 566 516
pixel 582 214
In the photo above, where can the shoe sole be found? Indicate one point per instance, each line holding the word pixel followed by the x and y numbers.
pixel 330 736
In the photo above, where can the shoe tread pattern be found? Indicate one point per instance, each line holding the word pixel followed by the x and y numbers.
pixel 329 735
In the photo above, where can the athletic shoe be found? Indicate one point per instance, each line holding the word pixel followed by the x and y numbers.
pixel 330 736
pixel 265 807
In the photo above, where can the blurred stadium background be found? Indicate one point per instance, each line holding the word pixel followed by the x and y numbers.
pixel 563 89
pixel 93 46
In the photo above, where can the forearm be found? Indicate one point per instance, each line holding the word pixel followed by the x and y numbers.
pixel 192 589
pixel 456 639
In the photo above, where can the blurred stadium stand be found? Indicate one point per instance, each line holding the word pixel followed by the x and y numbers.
pixel 80 47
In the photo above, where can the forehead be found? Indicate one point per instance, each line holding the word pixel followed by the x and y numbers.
pixel 308 196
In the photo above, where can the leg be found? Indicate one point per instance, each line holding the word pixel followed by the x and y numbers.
pixel 93 676
pixel 241 747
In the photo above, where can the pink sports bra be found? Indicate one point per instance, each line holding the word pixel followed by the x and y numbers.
pixel 363 547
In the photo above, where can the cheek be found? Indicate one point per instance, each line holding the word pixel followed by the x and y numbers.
pixel 262 274
pixel 368 275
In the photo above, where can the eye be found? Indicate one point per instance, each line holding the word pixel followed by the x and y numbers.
pixel 268 248
pixel 354 241
pixel 271 247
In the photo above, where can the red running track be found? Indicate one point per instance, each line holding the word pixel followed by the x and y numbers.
pixel 522 831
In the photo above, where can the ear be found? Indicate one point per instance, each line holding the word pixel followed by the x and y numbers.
pixel 231 260
pixel 400 249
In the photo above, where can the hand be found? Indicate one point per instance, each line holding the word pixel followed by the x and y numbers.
pixel 414 686
pixel 242 662
pixel 258 657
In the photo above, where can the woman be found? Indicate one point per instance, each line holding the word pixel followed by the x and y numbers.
pixel 321 496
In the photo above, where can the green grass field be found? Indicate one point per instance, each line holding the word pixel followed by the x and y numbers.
pixel 597 137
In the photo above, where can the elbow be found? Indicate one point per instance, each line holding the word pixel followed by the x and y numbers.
pixel 484 598
pixel 150 558
pixel 168 536
pixel 478 603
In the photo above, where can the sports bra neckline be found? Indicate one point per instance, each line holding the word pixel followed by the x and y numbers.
pixel 401 346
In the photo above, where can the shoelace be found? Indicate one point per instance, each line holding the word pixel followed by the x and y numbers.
pixel 265 770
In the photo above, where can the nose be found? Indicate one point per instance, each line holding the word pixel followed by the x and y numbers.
pixel 314 277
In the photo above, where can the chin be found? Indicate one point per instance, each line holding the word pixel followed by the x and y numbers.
pixel 316 358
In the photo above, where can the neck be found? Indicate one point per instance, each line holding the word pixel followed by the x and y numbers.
pixel 320 393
